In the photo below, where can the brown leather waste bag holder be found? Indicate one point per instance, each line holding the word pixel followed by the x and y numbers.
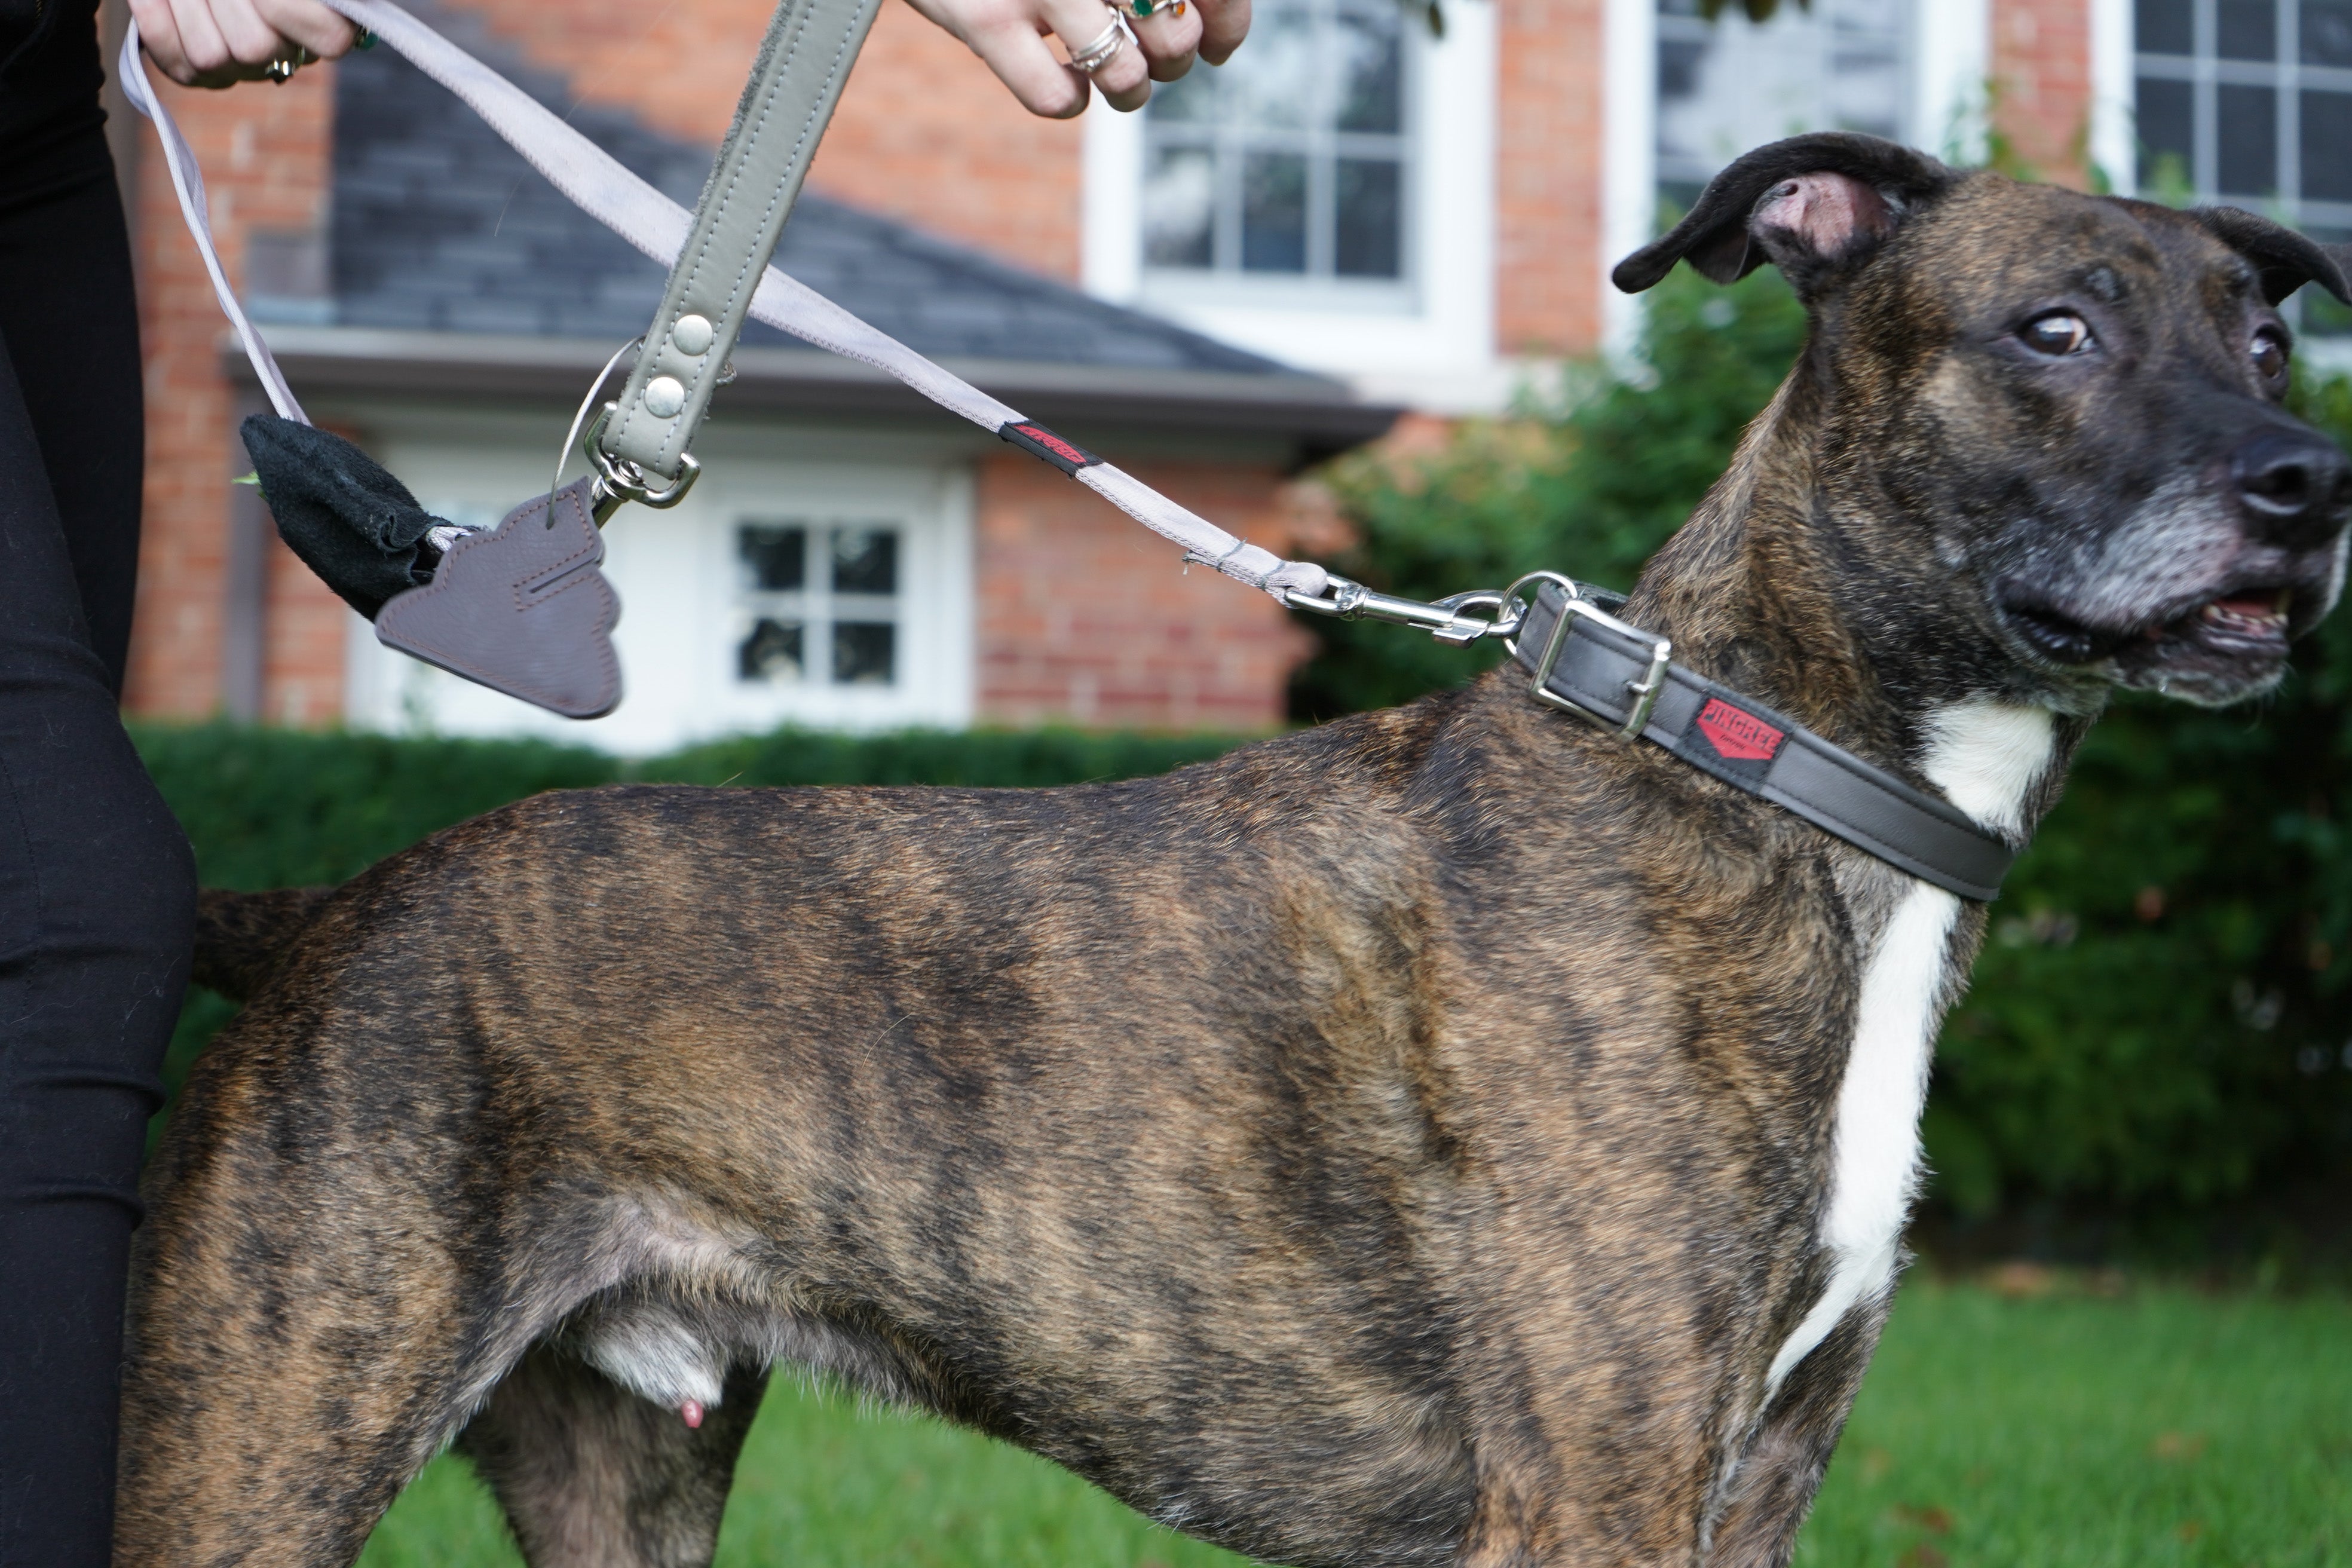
pixel 522 608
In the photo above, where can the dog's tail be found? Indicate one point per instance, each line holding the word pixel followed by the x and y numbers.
pixel 242 937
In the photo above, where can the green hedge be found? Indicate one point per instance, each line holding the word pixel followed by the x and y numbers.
pixel 2158 1049
pixel 282 809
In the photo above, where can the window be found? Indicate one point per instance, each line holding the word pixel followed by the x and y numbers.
pixel 2250 102
pixel 817 602
pixel 1290 160
pixel 1731 84
pixel 820 577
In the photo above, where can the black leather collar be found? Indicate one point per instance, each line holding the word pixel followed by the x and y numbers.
pixel 1604 669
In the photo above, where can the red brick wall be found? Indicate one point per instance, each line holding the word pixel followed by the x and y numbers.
pixel 1084 616
pixel 2042 66
pixel 265 156
pixel 924 132
pixel 1549 188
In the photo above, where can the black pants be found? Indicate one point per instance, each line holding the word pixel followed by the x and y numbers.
pixel 97 890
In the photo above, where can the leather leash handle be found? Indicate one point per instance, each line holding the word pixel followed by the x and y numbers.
pixel 789 98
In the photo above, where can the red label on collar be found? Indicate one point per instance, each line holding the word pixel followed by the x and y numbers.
pixel 1736 734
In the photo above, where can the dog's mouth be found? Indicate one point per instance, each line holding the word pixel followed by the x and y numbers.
pixel 2214 648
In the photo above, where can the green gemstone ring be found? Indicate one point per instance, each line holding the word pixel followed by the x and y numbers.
pixel 1157 7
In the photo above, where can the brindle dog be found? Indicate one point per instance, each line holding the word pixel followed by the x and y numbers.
pixel 1448 1136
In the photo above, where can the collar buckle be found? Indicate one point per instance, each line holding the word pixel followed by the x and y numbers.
pixel 1644 691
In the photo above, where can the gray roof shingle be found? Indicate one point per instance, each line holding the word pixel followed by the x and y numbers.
pixel 438 225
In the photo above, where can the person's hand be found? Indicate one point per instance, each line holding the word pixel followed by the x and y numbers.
pixel 1010 34
pixel 213 43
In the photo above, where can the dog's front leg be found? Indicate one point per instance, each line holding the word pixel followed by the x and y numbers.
pixel 1772 1490
pixel 592 1476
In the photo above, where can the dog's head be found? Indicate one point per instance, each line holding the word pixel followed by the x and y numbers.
pixel 2054 418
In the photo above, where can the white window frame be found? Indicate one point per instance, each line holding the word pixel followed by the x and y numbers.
pixel 1428 339
pixel 681 602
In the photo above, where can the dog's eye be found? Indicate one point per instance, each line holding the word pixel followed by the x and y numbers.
pixel 2270 355
pixel 2059 333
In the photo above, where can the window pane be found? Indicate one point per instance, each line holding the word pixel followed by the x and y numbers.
pixel 2164 27
pixel 2166 139
pixel 1372 64
pixel 773 651
pixel 1370 217
pixel 2248 140
pixel 2246 29
pixel 865 561
pixel 1192 99
pixel 1274 213
pixel 2327 146
pixel 1180 208
pixel 2326 32
pixel 775 558
pixel 1280 70
pixel 863 652
pixel 1679 63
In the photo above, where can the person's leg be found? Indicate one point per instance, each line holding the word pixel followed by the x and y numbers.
pixel 71 319
pixel 97 890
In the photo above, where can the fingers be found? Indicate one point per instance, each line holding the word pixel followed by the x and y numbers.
pixel 1125 79
pixel 244 39
pixel 213 43
pixel 1170 42
pixel 1018 54
pixel 310 25
pixel 159 40
pixel 1223 25
pixel 1009 35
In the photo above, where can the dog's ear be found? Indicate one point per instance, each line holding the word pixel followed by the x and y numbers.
pixel 2285 259
pixel 1803 205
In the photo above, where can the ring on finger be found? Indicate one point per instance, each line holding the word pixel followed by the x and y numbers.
pixel 281 70
pixel 1147 9
pixel 1097 54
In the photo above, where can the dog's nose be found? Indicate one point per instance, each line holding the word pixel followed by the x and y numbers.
pixel 2294 485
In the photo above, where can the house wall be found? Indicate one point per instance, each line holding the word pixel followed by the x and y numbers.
pixel 1091 620
pixel 925 134
pixel 923 131
pixel 265 156
pixel 1550 144
pixel 2042 102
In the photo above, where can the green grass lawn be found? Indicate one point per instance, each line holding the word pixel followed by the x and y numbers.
pixel 2159 1429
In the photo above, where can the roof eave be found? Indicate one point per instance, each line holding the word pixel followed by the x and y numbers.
pixel 1318 415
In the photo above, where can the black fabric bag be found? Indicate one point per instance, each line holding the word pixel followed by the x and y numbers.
pixel 350 519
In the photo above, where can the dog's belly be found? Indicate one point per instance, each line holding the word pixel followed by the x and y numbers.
pixel 1299 1464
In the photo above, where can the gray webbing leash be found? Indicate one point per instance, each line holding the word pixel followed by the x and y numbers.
pixel 601 188
pixel 786 104
pixel 1580 658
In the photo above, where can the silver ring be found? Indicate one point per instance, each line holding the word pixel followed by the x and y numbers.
pixel 1097 54
pixel 281 70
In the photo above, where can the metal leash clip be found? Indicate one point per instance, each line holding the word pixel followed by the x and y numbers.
pixel 1643 691
pixel 619 479
pixel 1441 618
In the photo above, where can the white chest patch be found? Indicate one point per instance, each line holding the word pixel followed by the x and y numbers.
pixel 1986 757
